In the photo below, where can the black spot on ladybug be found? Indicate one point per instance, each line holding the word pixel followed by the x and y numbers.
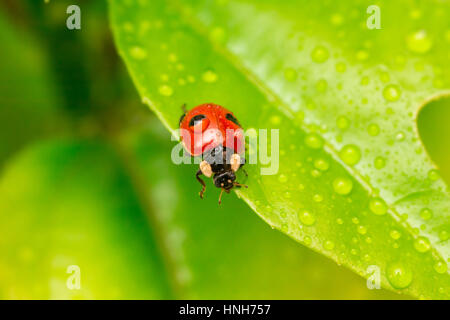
pixel 230 117
pixel 196 119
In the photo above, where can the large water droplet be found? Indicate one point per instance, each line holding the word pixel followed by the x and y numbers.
pixel 361 229
pixel 378 206
pixel 443 235
pixel 440 267
pixel 379 162
pixel 426 214
pixel 321 164
pixel 342 185
pixel 314 141
pixel 399 276
pixel 395 234
pixel 433 175
pixel 350 154
pixel 422 244
pixel 306 217
pixel 391 92
pixel 307 240
pixel 419 42
pixel 328 245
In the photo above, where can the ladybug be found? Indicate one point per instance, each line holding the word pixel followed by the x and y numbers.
pixel 213 132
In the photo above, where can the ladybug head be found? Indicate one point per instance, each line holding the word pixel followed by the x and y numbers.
pixel 225 180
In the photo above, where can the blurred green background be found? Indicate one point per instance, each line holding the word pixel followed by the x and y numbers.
pixel 86 179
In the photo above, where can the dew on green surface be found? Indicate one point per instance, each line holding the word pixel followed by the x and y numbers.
pixel 400 136
pixel 433 175
pixel 314 141
pixel 350 154
pixel 306 217
pixel 317 198
pixel 328 245
pixel 399 276
pixel 379 162
pixel 373 129
pixel 209 76
pixel 361 229
pixel 395 234
pixel 342 185
pixel 419 42
pixel 422 244
pixel 320 54
pixel 378 206
pixel 426 214
pixel 391 93
pixel 443 235
pixel 165 90
pixel 341 67
pixel 321 164
pixel 307 240
pixel 321 85
pixel 290 74
pixel 218 34
pixel 440 267
pixel 172 57
pixel 138 53
pixel 342 122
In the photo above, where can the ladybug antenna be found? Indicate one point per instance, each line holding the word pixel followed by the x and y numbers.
pixel 240 185
pixel 183 107
pixel 220 197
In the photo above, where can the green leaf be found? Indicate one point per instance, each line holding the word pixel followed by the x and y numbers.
pixel 226 252
pixel 354 180
pixel 28 99
pixel 142 241
pixel 70 203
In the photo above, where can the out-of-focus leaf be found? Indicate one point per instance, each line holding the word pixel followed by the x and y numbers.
pixel 70 203
pixel 354 182
pixel 434 130
pixel 28 101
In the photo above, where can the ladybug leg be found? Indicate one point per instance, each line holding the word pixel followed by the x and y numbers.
pixel 197 175
pixel 220 197
pixel 245 172
pixel 240 185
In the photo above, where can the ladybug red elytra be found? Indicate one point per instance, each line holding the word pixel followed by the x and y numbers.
pixel 214 133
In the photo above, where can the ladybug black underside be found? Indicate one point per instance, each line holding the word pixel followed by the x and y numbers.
pixel 219 159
